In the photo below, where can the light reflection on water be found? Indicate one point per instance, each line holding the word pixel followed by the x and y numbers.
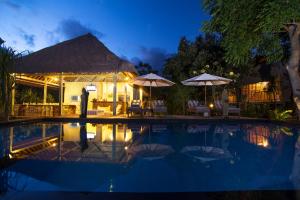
pixel 150 157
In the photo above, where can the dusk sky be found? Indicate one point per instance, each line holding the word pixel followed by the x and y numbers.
pixel 148 30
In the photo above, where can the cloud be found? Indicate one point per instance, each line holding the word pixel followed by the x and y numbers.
pixel 11 5
pixel 156 57
pixel 70 28
pixel 28 38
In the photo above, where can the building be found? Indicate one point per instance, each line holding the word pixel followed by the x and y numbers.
pixel 267 83
pixel 69 66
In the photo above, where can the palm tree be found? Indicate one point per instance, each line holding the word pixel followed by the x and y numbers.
pixel 7 80
pixel 28 96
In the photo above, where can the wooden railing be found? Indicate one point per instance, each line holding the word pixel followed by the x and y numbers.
pixel 37 110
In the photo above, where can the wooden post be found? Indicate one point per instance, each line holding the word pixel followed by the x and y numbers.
pixel 45 91
pixel 13 94
pixel 45 96
pixel 115 94
pixel 126 102
pixel 61 94
pixel 140 94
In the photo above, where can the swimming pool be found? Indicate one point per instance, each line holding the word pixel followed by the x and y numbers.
pixel 150 157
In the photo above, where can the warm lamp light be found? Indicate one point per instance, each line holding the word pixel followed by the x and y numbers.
pixel 231 73
pixel 211 105
pixel 264 143
pixel 126 147
pixel 141 93
pixel 126 78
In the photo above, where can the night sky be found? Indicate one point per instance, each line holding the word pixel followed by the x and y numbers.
pixel 147 30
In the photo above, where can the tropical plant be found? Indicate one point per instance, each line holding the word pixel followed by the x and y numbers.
pixel 281 115
pixel 177 97
pixel 259 27
pixel 50 98
pixel 7 80
pixel 29 96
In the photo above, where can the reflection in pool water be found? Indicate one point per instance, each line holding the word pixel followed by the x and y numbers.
pixel 169 157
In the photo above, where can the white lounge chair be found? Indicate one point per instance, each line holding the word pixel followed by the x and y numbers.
pixel 195 107
pixel 231 109
pixel 158 106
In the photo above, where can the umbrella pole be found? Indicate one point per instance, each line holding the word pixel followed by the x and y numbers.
pixel 150 95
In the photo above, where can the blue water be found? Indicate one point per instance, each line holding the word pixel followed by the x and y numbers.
pixel 171 157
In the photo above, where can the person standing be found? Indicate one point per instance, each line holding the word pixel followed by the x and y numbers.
pixel 84 102
pixel 225 102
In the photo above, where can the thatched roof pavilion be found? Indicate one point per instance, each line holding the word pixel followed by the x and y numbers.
pixel 84 54
pixel 75 63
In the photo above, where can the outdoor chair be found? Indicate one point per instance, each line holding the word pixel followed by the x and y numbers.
pixel 231 108
pixel 135 107
pixel 195 107
pixel 158 106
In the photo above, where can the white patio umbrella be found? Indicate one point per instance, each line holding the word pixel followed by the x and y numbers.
pixel 152 80
pixel 206 79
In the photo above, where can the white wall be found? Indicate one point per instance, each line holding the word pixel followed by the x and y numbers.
pixel 104 92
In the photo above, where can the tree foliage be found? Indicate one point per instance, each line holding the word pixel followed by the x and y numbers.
pixel 7 81
pixel 204 55
pixel 251 27
pixel 29 96
pixel 144 68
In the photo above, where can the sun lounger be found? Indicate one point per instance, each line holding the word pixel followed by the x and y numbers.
pixel 158 106
pixel 195 107
pixel 231 109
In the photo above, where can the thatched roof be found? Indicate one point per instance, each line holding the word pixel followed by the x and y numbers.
pixel 84 54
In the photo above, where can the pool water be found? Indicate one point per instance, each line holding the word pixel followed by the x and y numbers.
pixel 135 157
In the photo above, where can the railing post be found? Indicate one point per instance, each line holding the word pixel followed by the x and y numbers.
pixel 115 94
pixel 60 95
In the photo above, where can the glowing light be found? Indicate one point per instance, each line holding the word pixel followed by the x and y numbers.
pixel 264 142
pixel 231 73
pixel 211 105
pixel 141 94
pixel 126 78
pixel 91 88
pixel 126 147
pixel 90 135
pixel 55 78
pixel 128 135
pixel 54 144
pixel 10 156
pixel 111 88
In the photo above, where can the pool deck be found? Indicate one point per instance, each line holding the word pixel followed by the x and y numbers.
pixel 146 119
